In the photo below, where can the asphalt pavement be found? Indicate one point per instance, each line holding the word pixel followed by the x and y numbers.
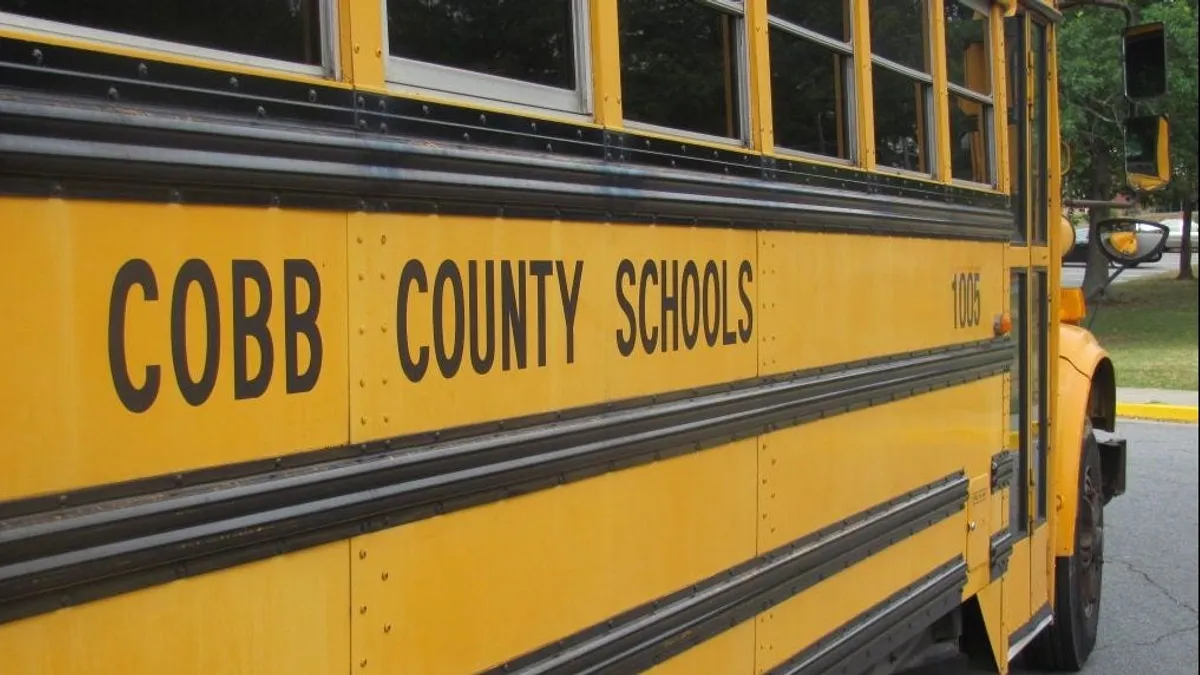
pixel 1073 272
pixel 1148 620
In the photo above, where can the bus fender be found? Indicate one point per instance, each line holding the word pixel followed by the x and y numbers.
pixel 1086 392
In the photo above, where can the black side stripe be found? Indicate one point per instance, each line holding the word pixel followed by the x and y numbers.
pixel 1004 467
pixel 57 558
pixel 873 635
pixel 64 152
pixel 1000 549
pixel 656 631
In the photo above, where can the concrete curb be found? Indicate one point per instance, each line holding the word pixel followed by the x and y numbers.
pixel 1159 411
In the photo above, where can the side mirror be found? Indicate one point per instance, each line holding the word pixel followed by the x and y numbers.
pixel 1128 241
pixel 1148 152
pixel 1145 50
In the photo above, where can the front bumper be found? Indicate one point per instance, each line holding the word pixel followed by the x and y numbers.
pixel 1112 467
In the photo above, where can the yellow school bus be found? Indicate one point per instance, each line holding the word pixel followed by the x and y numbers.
pixel 554 336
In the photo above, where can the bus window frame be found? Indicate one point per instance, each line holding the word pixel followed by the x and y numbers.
pixel 330 66
pixel 987 102
pixel 741 38
pixel 439 80
pixel 850 99
pixel 928 104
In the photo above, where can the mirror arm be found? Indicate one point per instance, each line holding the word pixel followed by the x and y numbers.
pixel 1090 299
pixel 1097 203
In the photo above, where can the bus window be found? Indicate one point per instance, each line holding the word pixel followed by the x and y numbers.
pixel 972 114
pixel 1018 400
pixel 902 83
pixel 282 31
pixel 1037 130
pixel 1014 45
pixel 681 66
pixel 811 66
pixel 531 52
pixel 1039 411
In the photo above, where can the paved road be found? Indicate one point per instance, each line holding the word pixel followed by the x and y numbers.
pixel 1073 272
pixel 1148 622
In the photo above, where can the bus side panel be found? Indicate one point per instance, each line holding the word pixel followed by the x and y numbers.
pixel 897 294
pixel 578 316
pixel 819 473
pixel 729 652
pixel 467 590
pixel 1017 606
pixel 284 615
pixel 797 623
pixel 121 358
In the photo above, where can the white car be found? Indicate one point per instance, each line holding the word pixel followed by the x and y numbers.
pixel 1175 233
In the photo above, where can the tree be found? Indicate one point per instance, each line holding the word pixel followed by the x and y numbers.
pixel 1091 111
pixel 1093 107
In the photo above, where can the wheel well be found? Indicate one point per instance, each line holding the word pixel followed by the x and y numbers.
pixel 1102 400
pixel 973 640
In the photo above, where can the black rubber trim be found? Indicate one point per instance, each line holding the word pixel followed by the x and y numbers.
pixel 52 149
pixel 55 557
pixel 1004 468
pixel 91 125
pixel 1000 550
pixel 873 636
pixel 1028 627
pixel 1113 463
pixel 651 633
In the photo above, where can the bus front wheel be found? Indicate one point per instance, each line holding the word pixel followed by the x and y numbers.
pixel 1068 642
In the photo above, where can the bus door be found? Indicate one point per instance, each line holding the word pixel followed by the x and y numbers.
pixel 1026 38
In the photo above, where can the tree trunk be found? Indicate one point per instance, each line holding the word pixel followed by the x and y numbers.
pixel 1097 264
pixel 1185 246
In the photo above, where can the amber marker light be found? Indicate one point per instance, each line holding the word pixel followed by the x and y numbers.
pixel 1072 306
pixel 1002 325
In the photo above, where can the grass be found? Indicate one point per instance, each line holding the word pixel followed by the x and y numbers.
pixel 1149 327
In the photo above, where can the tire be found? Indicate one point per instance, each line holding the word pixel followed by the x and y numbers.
pixel 1068 642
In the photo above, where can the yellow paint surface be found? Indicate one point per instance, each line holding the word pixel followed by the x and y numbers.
pixel 895 296
pixel 471 589
pixel 979 525
pixel 793 625
pixel 365 35
pixel 1080 355
pixel 1016 588
pixel 1040 568
pixel 804 470
pixel 62 423
pixel 729 652
pixel 286 615
pixel 991 606
pixel 580 360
